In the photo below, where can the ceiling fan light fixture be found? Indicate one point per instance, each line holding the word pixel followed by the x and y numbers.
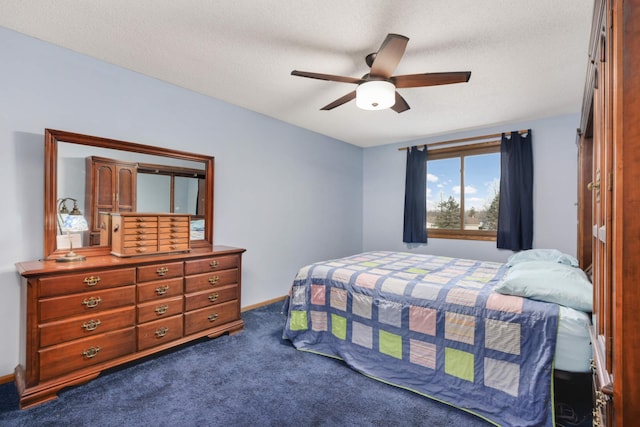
pixel 375 95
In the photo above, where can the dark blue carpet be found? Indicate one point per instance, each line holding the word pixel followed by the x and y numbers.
pixel 253 378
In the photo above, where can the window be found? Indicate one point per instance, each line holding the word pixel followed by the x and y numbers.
pixel 471 213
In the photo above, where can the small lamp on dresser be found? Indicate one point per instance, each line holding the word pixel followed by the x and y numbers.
pixel 71 222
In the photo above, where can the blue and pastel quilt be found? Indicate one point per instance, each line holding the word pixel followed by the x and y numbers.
pixel 433 325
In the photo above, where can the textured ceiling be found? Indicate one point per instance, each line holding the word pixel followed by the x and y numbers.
pixel 528 58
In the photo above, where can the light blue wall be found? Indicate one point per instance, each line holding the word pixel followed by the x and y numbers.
pixel 288 195
pixel 554 193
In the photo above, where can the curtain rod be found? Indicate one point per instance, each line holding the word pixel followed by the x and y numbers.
pixel 472 138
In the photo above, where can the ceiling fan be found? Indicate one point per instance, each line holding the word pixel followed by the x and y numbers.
pixel 377 89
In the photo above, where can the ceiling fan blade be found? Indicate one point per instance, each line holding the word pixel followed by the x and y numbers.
pixel 338 102
pixel 328 77
pixel 389 55
pixel 400 105
pixel 430 79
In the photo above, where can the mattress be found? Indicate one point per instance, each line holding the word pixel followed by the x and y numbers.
pixel 573 345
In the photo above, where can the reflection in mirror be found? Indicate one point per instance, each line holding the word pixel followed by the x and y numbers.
pixel 154 193
pixel 187 195
pixel 114 181
pixel 171 189
pixel 101 175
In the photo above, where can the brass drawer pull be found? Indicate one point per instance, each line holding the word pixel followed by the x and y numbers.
pixel 214 263
pixel 161 290
pixel 161 332
pixel 161 309
pixel 91 352
pixel 141 250
pixel 92 302
pixel 142 232
pixel 162 271
pixel 213 317
pixel 91 280
pixel 214 280
pixel 214 297
pixel 92 325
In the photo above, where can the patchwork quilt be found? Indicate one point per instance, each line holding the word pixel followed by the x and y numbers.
pixel 433 325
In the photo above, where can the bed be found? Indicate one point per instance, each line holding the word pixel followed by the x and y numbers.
pixel 480 336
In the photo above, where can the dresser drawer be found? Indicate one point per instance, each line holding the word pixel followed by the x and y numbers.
pixel 174 221
pixel 210 317
pixel 84 326
pixel 151 291
pixel 160 271
pixel 79 282
pixel 207 281
pixel 173 247
pixel 61 359
pixel 159 309
pixel 212 264
pixel 139 222
pixel 210 297
pixel 159 332
pixel 176 228
pixel 145 244
pixel 173 234
pixel 173 237
pixel 138 250
pixel 87 302
pixel 142 235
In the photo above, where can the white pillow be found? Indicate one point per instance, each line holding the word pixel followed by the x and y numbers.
pixel 549 281
pixel 551 255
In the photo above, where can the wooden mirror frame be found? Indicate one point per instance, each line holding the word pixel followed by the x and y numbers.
pixel 51 139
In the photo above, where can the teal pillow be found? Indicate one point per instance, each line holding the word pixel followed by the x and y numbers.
pixel 551 255
pixel 549 281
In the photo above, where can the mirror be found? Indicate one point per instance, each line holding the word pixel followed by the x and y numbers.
pixel 92 176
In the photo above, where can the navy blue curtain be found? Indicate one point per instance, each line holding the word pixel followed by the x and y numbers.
pixel 515 212
pixel 415 197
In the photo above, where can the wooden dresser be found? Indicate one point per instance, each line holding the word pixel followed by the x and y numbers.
pixel 84 317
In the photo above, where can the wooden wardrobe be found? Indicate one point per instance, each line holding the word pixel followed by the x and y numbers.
pixel 110 187
pixel 609 207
